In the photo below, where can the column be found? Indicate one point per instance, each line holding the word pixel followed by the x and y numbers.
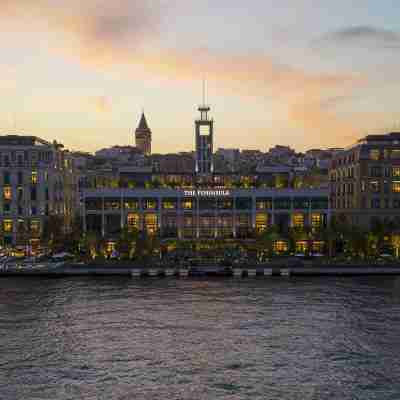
pixel 102 217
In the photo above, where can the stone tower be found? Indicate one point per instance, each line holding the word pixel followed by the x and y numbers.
pixel 143 136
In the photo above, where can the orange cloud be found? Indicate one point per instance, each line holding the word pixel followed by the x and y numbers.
pixel 112 36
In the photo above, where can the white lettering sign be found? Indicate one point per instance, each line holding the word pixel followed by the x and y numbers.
pixel 206 193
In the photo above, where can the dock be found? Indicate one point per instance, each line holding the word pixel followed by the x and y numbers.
pixel 255 272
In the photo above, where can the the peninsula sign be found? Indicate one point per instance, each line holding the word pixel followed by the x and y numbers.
pixel 206 193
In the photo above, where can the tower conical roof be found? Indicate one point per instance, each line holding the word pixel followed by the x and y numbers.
pixel 143 124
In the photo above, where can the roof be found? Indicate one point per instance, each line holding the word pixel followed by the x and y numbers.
pixel 143 124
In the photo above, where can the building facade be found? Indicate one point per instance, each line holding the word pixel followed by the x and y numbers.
pixel 203 213
pixel 37 181
pixel 365 181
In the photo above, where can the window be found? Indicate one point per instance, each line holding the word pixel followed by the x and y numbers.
pixel 281 246
pixel 7 207
pixel 316 220
pixel 386 203
pixel 376 203
pixel 151 223
pixel 319 203
pixel 374 186
pixel 35 226
pixel 395 155
pixel 20 178
pixel 33 210
pixel 6 178
pixel 375 172
pixel 264 204
pixel 33 194
pixel 133 221
pixel 396 172
pixel 282 204
pixel 396 203
pixel 243 203
pixel 7 225
pixel 20 210
pixel 34 178
pixel 261 222
pixel 7 193
pixel 131 204
pixel 301 204
pixel 188 204
pixel 396 187
pixel 374 154
pixel 150 204
pixel 169 204
pixel 298 220
pixel 301 246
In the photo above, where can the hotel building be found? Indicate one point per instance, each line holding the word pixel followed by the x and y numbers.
pixel 365 181
pixel 202 204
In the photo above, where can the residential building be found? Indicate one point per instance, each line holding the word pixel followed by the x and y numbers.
pixel 37 181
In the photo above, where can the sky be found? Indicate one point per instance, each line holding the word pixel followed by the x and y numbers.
pixel 303 73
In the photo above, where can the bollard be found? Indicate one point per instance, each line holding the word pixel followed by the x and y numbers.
pixel 237 273
pixel 184 273
pixel 153 272
pixel 136 273
pixel 267 271
pixel 251 273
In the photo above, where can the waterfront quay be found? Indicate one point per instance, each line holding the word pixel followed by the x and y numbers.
pixel 259 271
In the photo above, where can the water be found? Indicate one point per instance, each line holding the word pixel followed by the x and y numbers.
pixel 110 338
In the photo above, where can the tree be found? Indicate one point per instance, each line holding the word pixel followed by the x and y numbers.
pixel 126 242
pixel 53 232
pixel 265 241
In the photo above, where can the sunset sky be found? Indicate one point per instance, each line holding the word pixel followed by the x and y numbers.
pixel 303 73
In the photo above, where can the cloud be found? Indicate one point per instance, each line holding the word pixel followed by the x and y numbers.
pixel 363 36
pixel 119 36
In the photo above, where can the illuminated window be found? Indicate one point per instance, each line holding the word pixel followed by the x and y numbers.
pixel 34 178
pixel 169 204
pixel 395 154
pixel 35 226
pixel 298 220
pixel 7 193
pixel 264 204
pixel 204 130
pixel 396 172
pixel 316 220
pixel 151 223
pixel 187 204
pixel 7 225
pixel 281 246
pixel 301 246
pixel 374 154
pixel 150 204
pixel 110 247
pixel 261 222
pixel 131 204
pixel 396 187
pixel 112 204
pixel 318 246
pixel 133 221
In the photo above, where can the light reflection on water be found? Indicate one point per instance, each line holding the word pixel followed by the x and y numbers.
pixel 110 338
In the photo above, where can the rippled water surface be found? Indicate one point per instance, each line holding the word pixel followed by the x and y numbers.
pixel 110 338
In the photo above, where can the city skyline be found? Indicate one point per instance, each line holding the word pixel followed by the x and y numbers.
pixel 291 74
